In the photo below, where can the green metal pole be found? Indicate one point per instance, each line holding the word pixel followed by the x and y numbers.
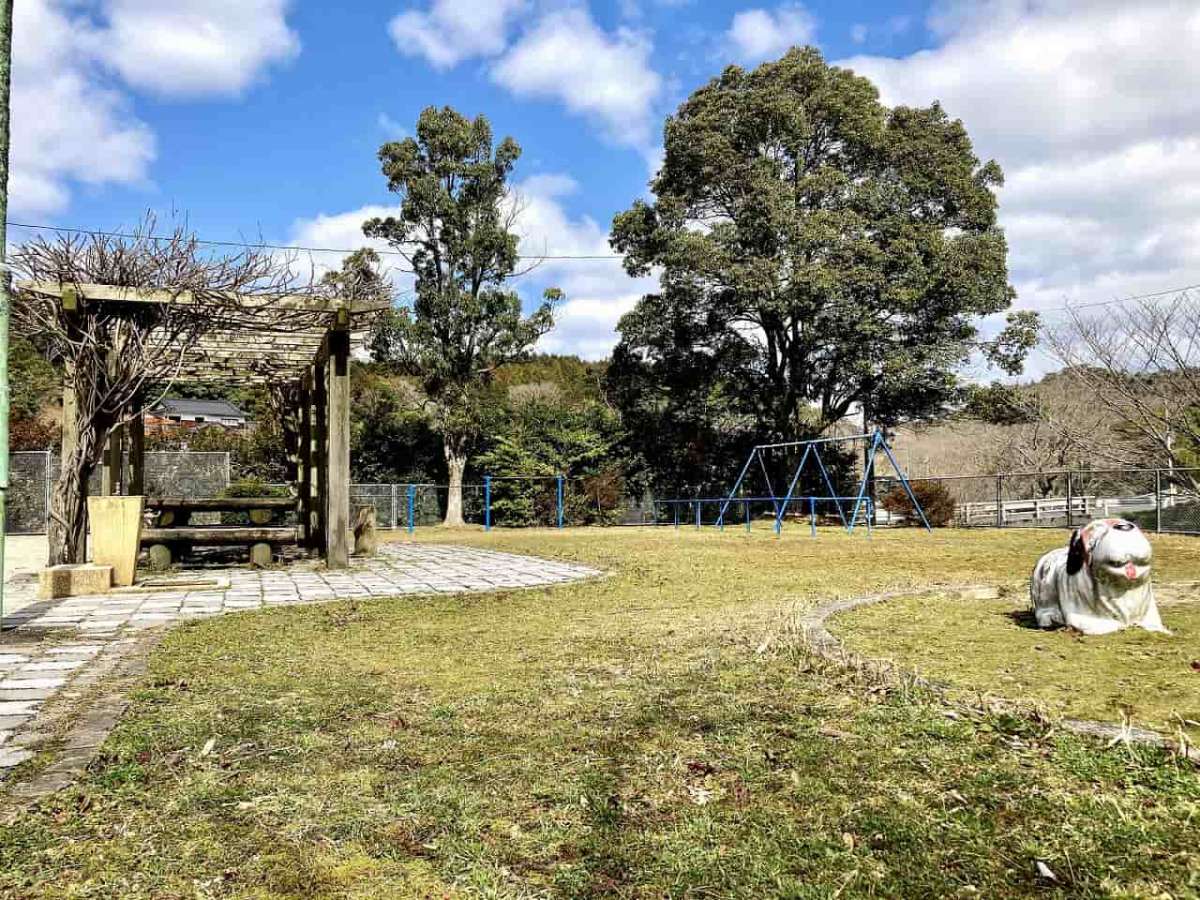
pixel 6 18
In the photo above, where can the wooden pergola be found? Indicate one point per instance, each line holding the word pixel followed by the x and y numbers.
pixel 305 341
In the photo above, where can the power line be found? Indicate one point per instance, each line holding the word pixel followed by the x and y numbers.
pixel 266 246
pixel 1066 307
pixel 1069 307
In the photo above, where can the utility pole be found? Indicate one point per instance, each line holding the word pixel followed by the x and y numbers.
pixel 6 21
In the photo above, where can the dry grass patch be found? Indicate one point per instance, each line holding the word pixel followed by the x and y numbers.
pixel 619 737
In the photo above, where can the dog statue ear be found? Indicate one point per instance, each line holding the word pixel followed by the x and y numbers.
pixel 1076 553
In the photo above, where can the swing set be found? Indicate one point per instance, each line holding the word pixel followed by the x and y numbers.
pixel 858 503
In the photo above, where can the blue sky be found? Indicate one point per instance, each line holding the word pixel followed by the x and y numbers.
pixel 263 117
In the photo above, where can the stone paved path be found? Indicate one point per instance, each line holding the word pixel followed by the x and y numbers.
pixel 50 648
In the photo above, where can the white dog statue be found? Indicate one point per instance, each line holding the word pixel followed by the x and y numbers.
pixel 1099 583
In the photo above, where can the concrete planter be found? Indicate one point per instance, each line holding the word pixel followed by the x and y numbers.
pixel 116 524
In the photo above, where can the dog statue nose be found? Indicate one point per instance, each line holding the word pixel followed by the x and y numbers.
pixel 1130 571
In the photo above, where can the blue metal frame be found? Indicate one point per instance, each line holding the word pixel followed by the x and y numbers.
pixel 877 442
pixel 487 502
pixel 559 491
pixel 560 501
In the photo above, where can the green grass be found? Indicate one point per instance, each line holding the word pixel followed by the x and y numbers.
pixel 991 646
pixel 622 737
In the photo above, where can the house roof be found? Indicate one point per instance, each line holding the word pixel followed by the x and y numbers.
pixel 214 409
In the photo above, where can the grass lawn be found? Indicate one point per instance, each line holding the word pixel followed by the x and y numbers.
pixel 992 646
pixel 621 737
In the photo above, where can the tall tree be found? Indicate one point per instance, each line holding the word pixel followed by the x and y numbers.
pixel 454 228
pixel 819 254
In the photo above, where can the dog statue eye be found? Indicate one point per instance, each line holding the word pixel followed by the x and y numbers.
pixel 1124 526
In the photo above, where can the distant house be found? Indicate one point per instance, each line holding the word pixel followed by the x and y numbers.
pixel 173 413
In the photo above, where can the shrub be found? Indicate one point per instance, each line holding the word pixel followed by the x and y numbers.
pixel 253 487
pixel 250 487
pixel 936 502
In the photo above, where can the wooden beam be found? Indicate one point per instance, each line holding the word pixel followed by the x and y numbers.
pixel 220 534
pixel 218 504
pixel 337 510
pixel 304 487
pixel 114 294
pixel 321 455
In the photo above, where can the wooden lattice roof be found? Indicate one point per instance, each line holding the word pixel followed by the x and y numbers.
pixel 256 337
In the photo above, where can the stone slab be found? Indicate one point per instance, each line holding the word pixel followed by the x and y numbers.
pixel 77 580
pixel 13 757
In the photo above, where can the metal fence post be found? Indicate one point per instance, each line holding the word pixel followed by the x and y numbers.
pixel 1070 500
pixel 812 515
pixel 1158 501
pixel 746 503
pixel 487 502
pixel 697 512
pixel 395 510
pixel 412 503
pixel 999 501
pixel 561 483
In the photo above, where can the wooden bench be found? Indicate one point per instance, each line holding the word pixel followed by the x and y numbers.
pixel 172 535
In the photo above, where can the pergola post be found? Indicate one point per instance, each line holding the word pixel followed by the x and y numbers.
pixel 304 480
pixel 137 455
pixel 337 488
pixel 321 453
pixel 114 458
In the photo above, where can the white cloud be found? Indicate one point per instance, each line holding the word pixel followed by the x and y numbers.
pixel 66 125
pixel 759 34
pixel 390 127
pixel 605 77
pixel 343 231
pixel 1091 111
pixel 598 292
pixel 194 47
pixel 451 31
pixel 72 121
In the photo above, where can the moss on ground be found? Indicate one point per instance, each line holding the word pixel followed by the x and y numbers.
pixel 622 737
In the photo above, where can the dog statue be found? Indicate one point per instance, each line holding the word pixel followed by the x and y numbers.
pixel 1099 583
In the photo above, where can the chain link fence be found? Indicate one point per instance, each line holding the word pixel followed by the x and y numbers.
pixel 32 474
pixel 1160 500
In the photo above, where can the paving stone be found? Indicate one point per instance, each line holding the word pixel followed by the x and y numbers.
pixel 7 695
pixel 30 672
pixel 75 649
pixel 17 707
pixel 16 683
pixel 10 757
pixel 54 665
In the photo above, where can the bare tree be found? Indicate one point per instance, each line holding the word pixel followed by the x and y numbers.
pixel 114 354
pixel 1139 363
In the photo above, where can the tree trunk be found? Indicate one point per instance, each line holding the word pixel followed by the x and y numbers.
pixel 68 526
pixel 456 462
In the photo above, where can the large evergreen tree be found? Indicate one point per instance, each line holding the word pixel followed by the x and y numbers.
pixel 819 254
pixel 454 227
